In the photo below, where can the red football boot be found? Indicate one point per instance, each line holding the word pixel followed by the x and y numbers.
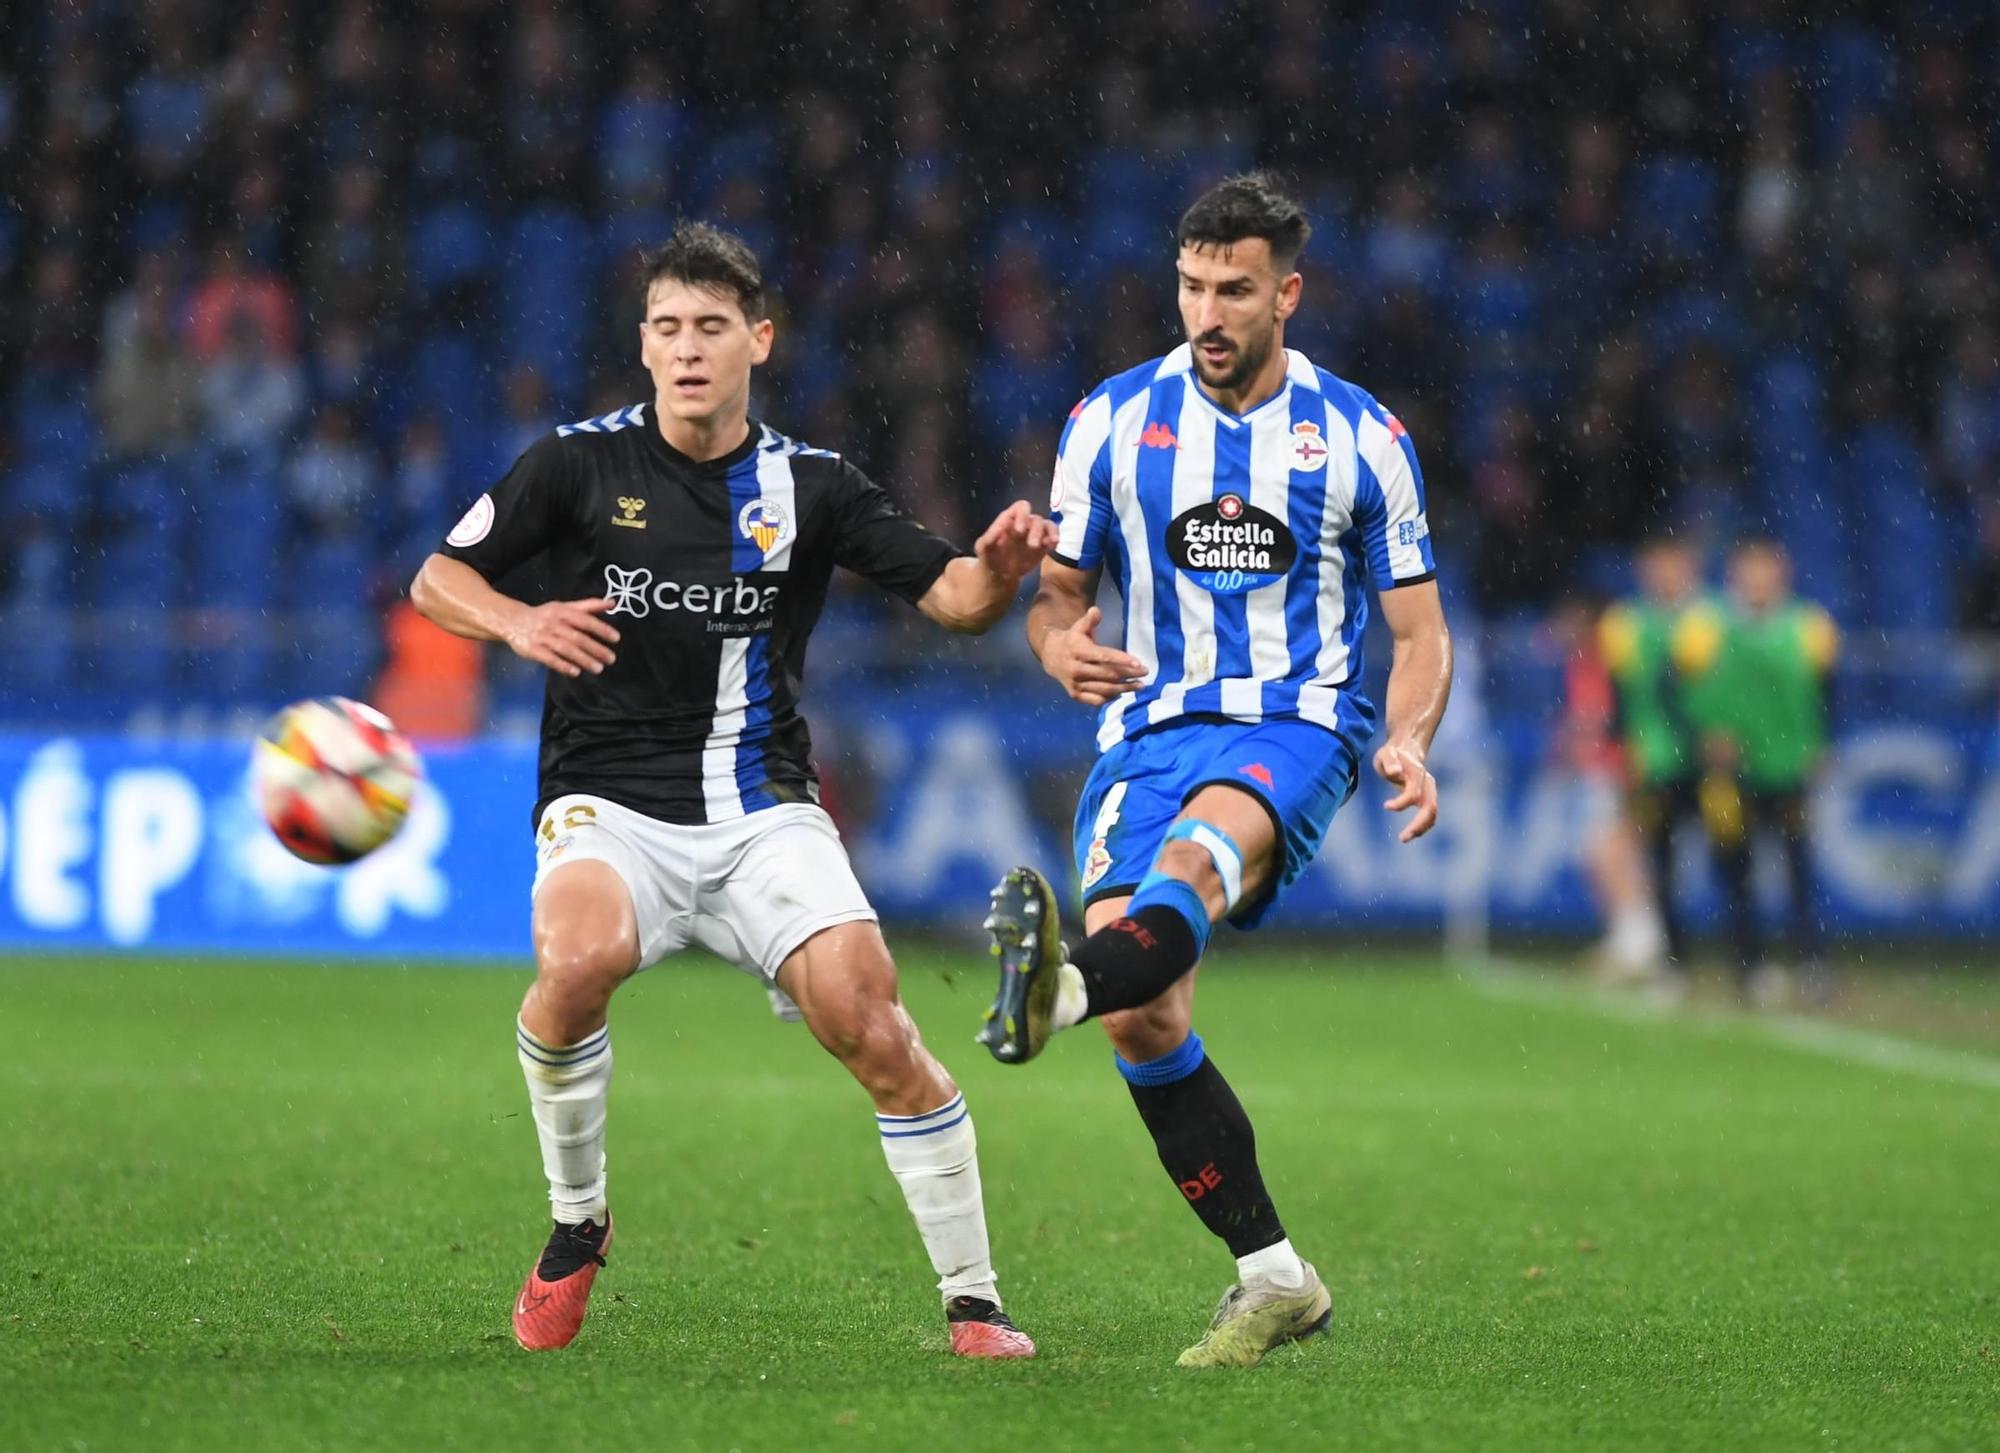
pixel 980 1329
pixel 549 1311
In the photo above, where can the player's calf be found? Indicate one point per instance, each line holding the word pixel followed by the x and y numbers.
pixel 1131 961
pixel 845 985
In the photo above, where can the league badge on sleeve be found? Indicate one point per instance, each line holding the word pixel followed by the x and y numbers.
pixel 474 525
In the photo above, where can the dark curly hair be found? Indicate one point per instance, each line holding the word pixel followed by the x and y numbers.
pixel 1250 205
pixel 707 257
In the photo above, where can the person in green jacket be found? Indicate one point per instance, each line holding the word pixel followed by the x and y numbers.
pixel 1655 646
pixel 1761 708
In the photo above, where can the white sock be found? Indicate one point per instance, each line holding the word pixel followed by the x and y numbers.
pixel 1277 1266
pixel 1072 1002
pixel 935 1158
pixel 568 1086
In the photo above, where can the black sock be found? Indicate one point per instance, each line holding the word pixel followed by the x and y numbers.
pixel 1132 961
pixel 1207 1146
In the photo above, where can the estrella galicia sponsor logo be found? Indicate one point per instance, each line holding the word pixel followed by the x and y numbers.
pixel 734 607
pixel 1229 545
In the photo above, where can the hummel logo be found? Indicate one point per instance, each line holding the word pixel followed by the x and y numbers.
pixel 627 590
pixel 1158 436
pixel 631 507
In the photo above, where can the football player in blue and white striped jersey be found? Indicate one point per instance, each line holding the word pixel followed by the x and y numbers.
pixel 1247 504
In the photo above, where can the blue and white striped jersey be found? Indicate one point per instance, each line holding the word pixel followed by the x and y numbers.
pixel 1244 546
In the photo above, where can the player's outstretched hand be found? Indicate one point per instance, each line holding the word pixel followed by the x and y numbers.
pixel 1090 673
pixel 1402 766
pixel 566 636
pixel 1015 543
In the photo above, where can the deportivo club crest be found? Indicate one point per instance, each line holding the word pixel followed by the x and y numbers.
pixel 764 523
pixel 1309 451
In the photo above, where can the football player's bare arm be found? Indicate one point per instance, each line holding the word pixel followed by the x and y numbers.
pixel 1419 687
pixel 1062 631
pixel 975 591
pixel 563 635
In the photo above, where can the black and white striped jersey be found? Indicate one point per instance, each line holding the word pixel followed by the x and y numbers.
pixel 717 571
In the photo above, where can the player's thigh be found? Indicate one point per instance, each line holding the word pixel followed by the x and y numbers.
pixel 1150 1030
pixel 772 881
pixel 610 888
pixel 1247 821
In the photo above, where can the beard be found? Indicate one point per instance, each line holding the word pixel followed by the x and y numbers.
pixel 1243 364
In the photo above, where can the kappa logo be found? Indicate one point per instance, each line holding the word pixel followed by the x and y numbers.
pixel 1309 451
pixel 626 590
pixel 630 509
pixel 763 523
pixel 1158 436
pixel 1259 772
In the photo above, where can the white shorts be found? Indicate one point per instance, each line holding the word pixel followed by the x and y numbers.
pixel 750 890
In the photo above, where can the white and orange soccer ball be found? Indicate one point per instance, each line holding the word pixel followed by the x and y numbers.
pixel 334 778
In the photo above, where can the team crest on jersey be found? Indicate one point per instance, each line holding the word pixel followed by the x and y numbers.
pixel 1309 451
pixel 763 523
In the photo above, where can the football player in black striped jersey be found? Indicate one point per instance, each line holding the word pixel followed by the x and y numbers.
pixel 690 548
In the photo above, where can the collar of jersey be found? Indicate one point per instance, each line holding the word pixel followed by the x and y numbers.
pixel 1237 421
pixel 721 464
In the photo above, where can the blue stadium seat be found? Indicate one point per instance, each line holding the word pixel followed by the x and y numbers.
pixel 638 143
pixel 747 150
pixel 1676 200
pixel 139 571
pixel 449 245
pixel 1908 544
pixel 237 529
pixel 329 575
pixel 546 293
pixel 132 650
pixel 39 647
pixel 1854 72
pixel 53 421
pixel 633 227
pixel 330 651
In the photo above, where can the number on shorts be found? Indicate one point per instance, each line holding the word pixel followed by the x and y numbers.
pixel 576 817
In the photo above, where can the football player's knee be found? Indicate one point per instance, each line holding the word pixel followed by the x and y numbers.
pixel 878 1044
pixel 584 964
pixel 1149 1031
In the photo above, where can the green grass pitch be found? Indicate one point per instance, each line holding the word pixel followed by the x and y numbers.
pixel 260 1206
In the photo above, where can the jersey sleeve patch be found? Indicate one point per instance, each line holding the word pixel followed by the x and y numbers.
pixel 474 525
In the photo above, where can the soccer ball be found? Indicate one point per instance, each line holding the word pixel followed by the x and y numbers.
pixel 334 778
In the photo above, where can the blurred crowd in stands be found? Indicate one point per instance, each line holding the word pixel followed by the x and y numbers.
pixel 282 286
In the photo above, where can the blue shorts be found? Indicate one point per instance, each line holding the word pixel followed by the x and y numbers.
pixel 1300 772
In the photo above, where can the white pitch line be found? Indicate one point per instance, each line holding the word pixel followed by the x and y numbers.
pixel 1793 1031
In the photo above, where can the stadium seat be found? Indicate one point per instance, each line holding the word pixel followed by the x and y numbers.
pixel 449 246
pixel 1907 542
pixel 132 649
pixel 331 650
pixel 546 292
pixel 329 575
pixel 639 141
pixel 1676 200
